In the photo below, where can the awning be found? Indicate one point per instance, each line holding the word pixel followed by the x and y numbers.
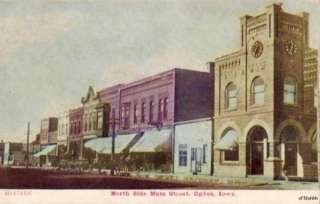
pixel 97 144
pixel 104 144
pixel 228 142
pixel 47 150
pixel 154 141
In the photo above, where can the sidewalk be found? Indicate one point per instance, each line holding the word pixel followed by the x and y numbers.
pixel 236 182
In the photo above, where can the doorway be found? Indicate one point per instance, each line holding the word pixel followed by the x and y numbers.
pixel 291 159
pixel 256 150
pixel 289 137
pixel 196 160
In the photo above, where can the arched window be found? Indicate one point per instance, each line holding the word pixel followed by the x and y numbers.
pixel 143 112
pixel 290 91
pixel 231 96
pixel 314 152
pixel 165 114
pixel 257 91
pixel 228 143
pixel 151 107
pixel 135 113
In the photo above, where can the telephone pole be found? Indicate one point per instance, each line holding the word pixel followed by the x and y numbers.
pixel 113 145
pixel 28 135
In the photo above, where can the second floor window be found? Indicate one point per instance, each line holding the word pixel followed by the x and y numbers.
pixel 161 110
pixel 135 113
pixel 79 127
pixel 151 110
pixel 99 120
pixel 143 112
pixel 231 101
pixel 257 91
pixel 165 108
pixel 126 115
pixel 290 91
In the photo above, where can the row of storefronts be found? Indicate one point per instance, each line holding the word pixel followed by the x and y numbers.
pixel 249 116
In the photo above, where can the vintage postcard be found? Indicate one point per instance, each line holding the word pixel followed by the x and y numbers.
pixel 140 101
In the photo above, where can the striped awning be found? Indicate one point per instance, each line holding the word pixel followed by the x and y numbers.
pixel 154 141
pixel 103 145
pixel 46 151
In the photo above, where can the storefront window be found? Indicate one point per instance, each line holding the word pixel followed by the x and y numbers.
pixel 231 155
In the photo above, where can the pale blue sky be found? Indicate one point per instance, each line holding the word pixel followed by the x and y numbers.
pixel 52 50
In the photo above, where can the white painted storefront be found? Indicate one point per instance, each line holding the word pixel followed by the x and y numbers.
pixel 192 145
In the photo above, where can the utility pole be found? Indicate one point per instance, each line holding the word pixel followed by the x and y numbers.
pixel 28 135
pixel 113 143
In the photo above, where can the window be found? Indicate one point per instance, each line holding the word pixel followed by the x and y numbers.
pixel 231 150
pixel 160 111
pixel 126 115
pixel 165 108
pixel 79 127
pixel 151 107
pixel 94 121
pixel 204 153
pixel 231 97
pixel 100 120
pixel 143 112
pixel 135 113
pixel 231 155
pixel 183 155
pixel 290 91
pixel 257 91
pixel 314 151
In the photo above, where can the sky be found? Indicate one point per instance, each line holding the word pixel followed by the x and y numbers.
pixel 51 51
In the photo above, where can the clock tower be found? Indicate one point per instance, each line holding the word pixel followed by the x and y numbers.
pixel 260 99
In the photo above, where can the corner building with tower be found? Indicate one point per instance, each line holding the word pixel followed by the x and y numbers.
pixel 262 125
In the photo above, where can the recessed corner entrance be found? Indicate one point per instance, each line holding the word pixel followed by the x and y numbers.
pixel 256 150
pixel 289 137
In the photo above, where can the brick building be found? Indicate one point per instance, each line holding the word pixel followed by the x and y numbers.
pixel 310 77
pixel 146 110
pixel 95 119
pixel 261 126
pixel 75 130
pixel 48 131
pixel 62 134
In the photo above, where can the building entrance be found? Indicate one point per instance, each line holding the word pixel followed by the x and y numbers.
pixel 289 145
pixel 256 151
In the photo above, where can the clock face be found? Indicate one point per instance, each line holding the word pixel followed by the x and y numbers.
pixel 257 49
pixel 290 47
